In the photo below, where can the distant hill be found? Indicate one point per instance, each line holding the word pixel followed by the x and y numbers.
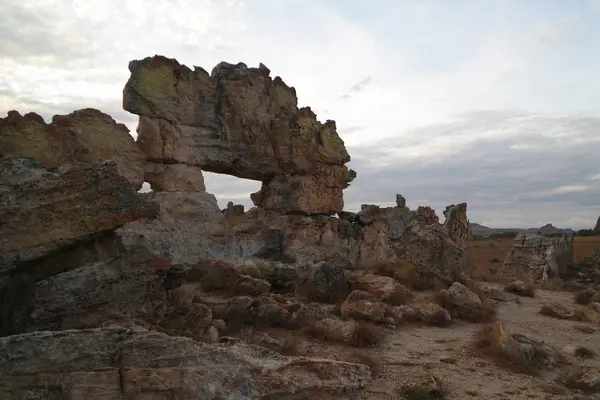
pixel 485 231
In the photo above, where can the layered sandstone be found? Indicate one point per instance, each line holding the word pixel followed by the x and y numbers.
pixel 536 258
pixel 44 208
pixel 86 135
pixel 134 363
pixel 239 121
pixel 457 223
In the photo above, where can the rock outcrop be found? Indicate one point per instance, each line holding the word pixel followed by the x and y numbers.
pixel 45 208
pixel 457 224
pixel 239 121
pixel 536 258
pixel 87 136
pixel 134 363
pixel 597 227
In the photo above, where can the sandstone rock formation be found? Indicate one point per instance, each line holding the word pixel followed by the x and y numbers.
pixel 239 121
pixel 45 208
pixel 597 226
pixel 86 135
pixel 83 251
pixel 134 363
pixel 535 258
pixel 457 224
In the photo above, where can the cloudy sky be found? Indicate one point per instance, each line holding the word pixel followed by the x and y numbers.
pixel 491 102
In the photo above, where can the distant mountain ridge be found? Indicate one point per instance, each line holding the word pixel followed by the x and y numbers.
pixel 485 231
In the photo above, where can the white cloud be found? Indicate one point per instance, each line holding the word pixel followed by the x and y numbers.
pixel 427 83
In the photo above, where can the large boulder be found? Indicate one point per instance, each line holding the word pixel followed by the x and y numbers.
pixel 535 258
pixel 45 208
pixel 131 362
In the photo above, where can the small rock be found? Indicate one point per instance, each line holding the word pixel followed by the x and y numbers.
pixel 363 305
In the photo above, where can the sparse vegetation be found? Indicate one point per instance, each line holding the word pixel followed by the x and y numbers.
pixel 586 297
pixel 521 289
pixel 584 352
pixel 366 335
pixel 291 345
pixel 515 352
pixel 584 314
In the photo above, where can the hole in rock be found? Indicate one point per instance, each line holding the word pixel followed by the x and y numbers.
pixel 228 188
pixel 145 188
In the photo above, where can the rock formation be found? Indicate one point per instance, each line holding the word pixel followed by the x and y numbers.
pixel 457 224
pixel 597 227
pixel 82 251
pixel 86 135
pixel 134 363
pixel 239 121
pixel 535 258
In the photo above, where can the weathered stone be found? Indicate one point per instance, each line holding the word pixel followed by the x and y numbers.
pixel 384 288
pixel 188 228
pixel 174 177
pixel 45 208
pixel 247 285
pixel 457 224
pixel 239 121
pixel 129 286
pixel 363 305
pixel 86 135
pixel 535 258
pixel 323 283
pixel 459 295
pixel 433 314
pixel 269 312
pixel 309 313
pixel 139 364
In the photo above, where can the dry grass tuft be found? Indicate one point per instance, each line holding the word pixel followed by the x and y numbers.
pixel 584 329
pixel 584 352
pixel 586 297
pixel 360 356
pixel 520 289
pixel 366 335
pixel 291 345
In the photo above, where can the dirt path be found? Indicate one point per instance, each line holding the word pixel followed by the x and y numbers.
pixel 413 352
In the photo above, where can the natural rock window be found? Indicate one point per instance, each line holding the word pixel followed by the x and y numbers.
pixel 227 188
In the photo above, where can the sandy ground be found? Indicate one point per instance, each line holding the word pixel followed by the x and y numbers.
pixel 411 353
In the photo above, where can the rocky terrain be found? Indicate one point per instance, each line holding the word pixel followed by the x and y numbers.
pixel 106 293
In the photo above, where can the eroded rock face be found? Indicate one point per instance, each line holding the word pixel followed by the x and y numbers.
pixel 114 362
pixel 85 135
pixel 45 208
pixel 239 121
pixel 535 258
pixel 457 223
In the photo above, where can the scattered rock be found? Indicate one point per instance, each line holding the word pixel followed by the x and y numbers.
pixel 86 359
pixel 323 283
pixel 384 288
pixel 363 305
